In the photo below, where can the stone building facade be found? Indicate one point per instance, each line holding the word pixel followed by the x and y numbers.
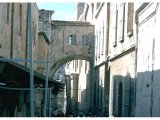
pixel 68 42
pixel 114 45
pixel 122 59
pixel 79 77
pixel 14 28
pixel 97 14
pixel 131 58
pixel 147 84
pixel 72 41
pixel 14 44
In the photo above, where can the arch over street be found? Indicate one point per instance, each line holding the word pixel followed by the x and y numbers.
pixel 66 59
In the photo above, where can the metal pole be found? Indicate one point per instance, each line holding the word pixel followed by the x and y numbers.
pixel 31 63
pixel 50 102
pixel 46 87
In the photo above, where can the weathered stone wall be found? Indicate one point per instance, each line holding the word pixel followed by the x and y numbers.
pixel 123 72
pixel 42 48
pixel 148 67
pixel 45 17
pixel 122 59
pixel 20 42
pixel 98 16
pixel 5 31
pixel 60 39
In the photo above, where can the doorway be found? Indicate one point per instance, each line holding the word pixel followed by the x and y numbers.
pixel 120 100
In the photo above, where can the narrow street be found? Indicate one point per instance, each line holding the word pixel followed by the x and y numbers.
pixel 82 59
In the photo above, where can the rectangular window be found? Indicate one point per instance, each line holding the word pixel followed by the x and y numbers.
pixel 72 40
pixel 84 40
pixel 121 19
pixel 130 19
pixel 102 38
pixel 113 24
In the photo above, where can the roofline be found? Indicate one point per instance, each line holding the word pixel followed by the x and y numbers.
pixel 70 23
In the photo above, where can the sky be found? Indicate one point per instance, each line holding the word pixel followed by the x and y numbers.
pixel 63 10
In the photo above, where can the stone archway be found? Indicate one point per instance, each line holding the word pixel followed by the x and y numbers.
pixel 66 59
pixel 72 83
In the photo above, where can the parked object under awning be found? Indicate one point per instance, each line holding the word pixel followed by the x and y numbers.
pixel 16 75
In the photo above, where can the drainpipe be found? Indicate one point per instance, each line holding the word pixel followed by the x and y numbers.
pixel 136 46
pixel 26 51
pixel 12 28
pixel 46 84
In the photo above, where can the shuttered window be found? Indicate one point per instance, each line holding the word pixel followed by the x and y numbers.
pixel 113 24
pixel 121 19
pixel 130 19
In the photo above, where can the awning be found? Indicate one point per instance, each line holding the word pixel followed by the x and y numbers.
pixel 13 74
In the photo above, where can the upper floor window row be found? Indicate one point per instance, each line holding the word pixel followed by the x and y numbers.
pixel 117 22
pixel 84 40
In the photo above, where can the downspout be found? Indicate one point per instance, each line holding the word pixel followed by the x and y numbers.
pixel 12 27
pixel 26 51
pixel 136 47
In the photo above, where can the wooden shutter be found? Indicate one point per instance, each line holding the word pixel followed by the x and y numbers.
pixel 113 24
pixel 121 19
pixel 130 19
